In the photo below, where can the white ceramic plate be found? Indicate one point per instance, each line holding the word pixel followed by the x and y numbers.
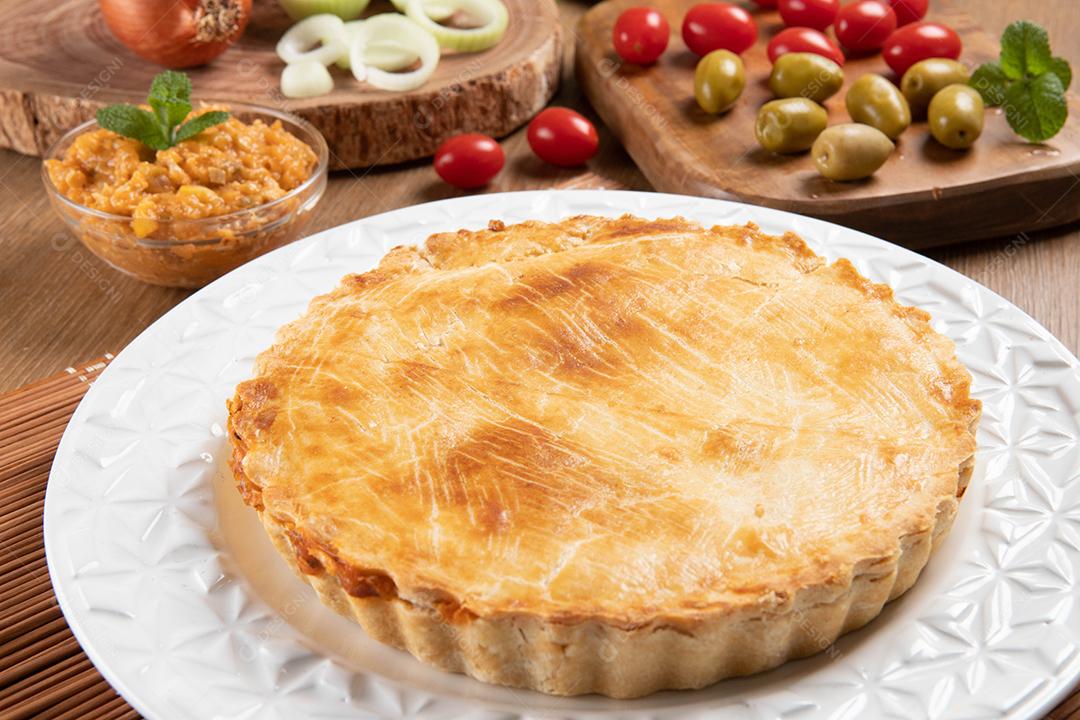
pixel 172 588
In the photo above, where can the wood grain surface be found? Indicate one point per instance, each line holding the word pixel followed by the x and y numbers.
pixel 60 304
pixel 59 64
pixel 924 195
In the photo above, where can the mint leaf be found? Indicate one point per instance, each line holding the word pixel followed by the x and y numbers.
pixel 197 124
pixel 135 123
pixel 170 94
pixel 170 113
pixel 1028 81
pixel 170 85
pixel 991 82
pixel 1036 108
pixel 1025 50
pixel 1060 67
pixel 170 98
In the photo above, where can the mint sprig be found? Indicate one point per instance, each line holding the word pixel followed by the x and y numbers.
pixel 197 124
pixel 170 100
pixel 1028 80
pixel 1036 108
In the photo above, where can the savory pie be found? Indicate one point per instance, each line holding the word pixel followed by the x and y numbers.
pixel 607 455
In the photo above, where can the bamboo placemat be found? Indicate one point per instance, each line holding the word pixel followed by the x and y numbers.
pixel 43 671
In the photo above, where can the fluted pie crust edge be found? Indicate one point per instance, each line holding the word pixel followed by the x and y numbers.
pixel 586 654
pixel 593 656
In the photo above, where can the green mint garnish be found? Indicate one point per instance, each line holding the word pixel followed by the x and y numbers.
pixel 197 124
pixel 170 99
pixel 133 122
pixel 1025 50
pixel 1060 67
pixel 1028 80
pixel 991 81
pixel 1036 108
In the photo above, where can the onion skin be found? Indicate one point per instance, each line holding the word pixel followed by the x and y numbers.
pixel 177 33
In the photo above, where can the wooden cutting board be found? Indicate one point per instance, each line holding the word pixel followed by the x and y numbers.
pixel 924 195
pixel 59 63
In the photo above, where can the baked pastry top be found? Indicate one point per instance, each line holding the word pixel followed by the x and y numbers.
pixel 614 419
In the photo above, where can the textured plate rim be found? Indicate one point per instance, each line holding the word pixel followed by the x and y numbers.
pixel 624 201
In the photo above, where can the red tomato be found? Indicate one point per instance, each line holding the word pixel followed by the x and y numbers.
pixel 562 137
pixel 718 26
pixel 798 39
pixel 909 11
pixel 865 24
pixel 640 35
pixel 469 160
pixel 920 41
pixel 817 14
pixel 768 4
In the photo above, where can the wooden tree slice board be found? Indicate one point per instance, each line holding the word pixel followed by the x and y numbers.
pixel 59 63
pixel 924 195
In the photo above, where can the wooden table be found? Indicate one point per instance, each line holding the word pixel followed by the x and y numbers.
pixel 62 305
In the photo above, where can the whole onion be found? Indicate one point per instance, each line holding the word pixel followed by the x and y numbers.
pixel 177 33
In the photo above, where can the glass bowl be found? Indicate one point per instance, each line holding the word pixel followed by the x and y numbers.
pixel 191 253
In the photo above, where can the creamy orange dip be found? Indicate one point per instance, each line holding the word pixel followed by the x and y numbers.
pixel 228 167
pixel 186 215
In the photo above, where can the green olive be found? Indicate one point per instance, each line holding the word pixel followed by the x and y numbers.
pixel 956 116
pixel 872 100
pixel 719 81
pixel 850 151
pixel 789 125
pixel 805 75
pixel 924 79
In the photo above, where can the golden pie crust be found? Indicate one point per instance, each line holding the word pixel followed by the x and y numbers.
pixel 606 455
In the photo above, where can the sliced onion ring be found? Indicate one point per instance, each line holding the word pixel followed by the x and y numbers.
pixel 302 40
pixel 379 53
pixel 437 10
pixel 492 13
pixel 306 78
pixel 389 56
pixel 344 9
pixel 393 29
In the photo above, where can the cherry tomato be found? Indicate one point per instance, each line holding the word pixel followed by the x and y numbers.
pixel 640 35
pixel 767 4
pixel 718 26
pixel 817 14
pixel 909 11
pixel 562 137
pixel 865 24
pixel 799 39
pixel 469 160
pixel 919 41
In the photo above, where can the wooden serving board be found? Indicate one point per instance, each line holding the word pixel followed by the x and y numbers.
pixel 924 195
pixel 59 63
